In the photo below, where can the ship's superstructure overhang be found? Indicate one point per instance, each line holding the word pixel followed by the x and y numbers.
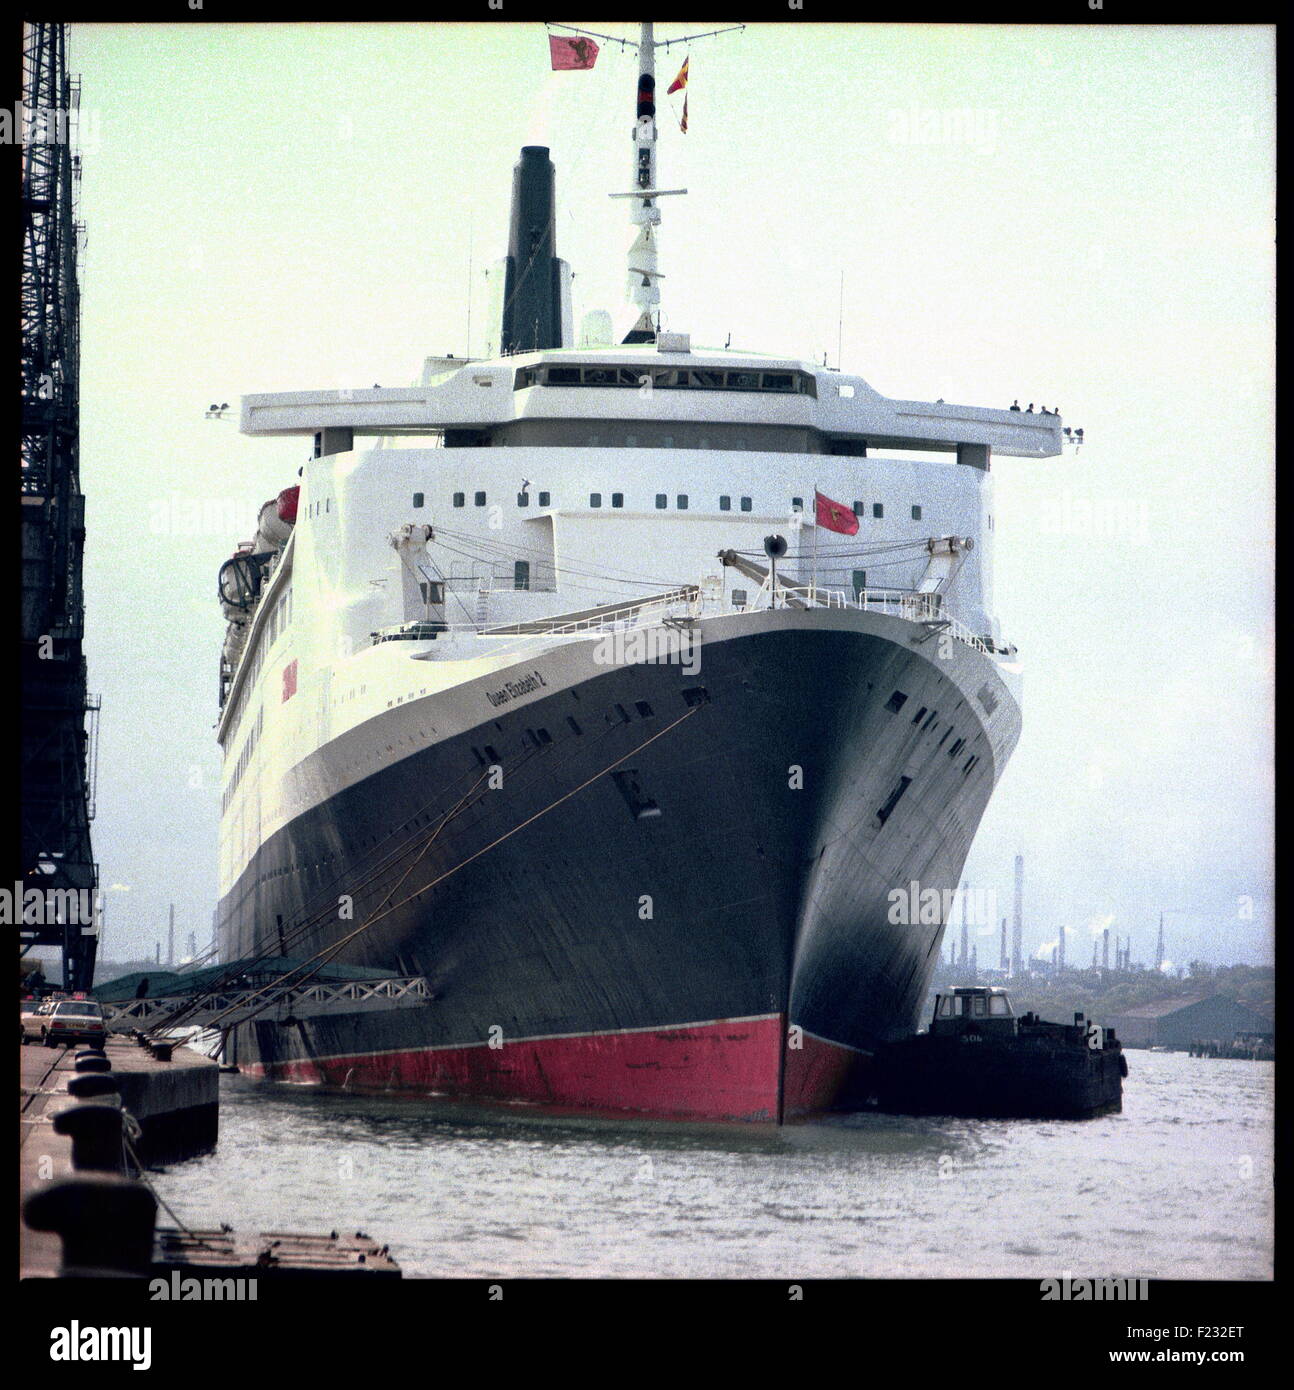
pixel 729 387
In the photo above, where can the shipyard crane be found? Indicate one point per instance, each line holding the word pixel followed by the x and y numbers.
pixel 59 720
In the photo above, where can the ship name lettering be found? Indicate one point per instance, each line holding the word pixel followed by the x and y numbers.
pixel 511 690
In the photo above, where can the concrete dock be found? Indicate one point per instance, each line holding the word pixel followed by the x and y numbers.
pixel 82 1214
pixel 176 1103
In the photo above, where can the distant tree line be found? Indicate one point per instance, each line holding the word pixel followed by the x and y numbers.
pixel 1101 993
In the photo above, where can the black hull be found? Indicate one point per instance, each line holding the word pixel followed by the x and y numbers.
pixel 710 881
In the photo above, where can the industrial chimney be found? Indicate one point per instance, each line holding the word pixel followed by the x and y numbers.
pixel 1017 940
pixel 965 930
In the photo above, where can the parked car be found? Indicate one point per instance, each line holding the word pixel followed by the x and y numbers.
pixel 71 1021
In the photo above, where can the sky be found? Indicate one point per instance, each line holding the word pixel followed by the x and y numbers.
pixel 1073 216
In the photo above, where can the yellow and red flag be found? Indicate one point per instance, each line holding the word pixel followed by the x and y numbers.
pixel 681 80
pixel 682 125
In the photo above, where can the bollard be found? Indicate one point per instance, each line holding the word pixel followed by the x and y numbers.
pixel 92 1084
pixel 95 1129
pixel 105 1222
pixel 162 1051
pixel 92 1063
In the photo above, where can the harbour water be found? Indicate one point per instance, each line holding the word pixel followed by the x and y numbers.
pixel 1179 1185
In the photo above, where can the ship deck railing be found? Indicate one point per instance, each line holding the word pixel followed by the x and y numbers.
pixel 687 605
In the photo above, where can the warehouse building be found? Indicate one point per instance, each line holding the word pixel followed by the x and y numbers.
pixel 1180 1021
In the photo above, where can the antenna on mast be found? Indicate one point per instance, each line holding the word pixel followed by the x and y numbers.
pixel 644 289
pixel 840 323
pixel 644 277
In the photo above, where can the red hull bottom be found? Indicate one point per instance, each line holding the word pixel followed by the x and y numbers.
pixel 730 1069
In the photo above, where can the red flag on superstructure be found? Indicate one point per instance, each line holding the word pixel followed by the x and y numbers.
pixel 681 80
pixel 570 55
pixel 834 516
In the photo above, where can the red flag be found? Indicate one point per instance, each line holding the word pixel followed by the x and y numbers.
pixel 569 55
pixel 834 516
pixel 681 80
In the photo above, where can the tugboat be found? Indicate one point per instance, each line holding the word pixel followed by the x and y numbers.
pixel 979 1060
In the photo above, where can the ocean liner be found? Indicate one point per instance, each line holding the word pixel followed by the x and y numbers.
pixel 616 692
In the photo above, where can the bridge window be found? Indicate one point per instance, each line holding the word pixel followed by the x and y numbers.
pixel 523 499
pixel 725 504
pixel 797 504
pixel 479 499
pixel 617 499
pixel 595 499
pixel 667 378
pixel 545 498
pixel 916 513
pixel 859 509
pixel 878 509
pixel 681 501
pixel 745 504
pixel 459 499
pixel 418 499
pixel 661 501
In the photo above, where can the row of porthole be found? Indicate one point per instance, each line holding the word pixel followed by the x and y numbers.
pixel 896 702
pixel 662 502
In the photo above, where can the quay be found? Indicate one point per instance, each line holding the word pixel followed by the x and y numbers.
pixel 75 1107
pixel 83 1113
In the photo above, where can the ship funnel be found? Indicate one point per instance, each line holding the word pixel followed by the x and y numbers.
pixel 534 280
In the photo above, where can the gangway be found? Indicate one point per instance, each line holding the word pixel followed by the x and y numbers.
pixel 230 1007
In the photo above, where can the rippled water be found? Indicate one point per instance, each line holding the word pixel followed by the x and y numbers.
pixel 1177 1186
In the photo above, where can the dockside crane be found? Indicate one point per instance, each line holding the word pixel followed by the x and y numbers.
pixel 59 717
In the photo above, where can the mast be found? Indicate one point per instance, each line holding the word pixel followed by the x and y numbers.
pixel 644 213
